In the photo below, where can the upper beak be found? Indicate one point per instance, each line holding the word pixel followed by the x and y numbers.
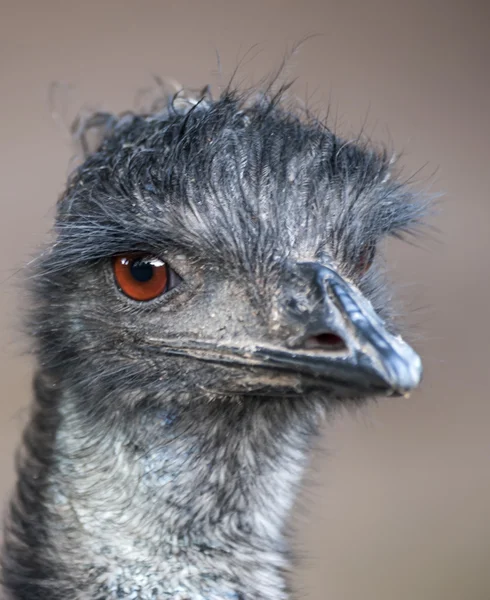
pixel 370 359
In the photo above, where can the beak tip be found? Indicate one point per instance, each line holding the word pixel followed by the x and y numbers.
pixel 405 375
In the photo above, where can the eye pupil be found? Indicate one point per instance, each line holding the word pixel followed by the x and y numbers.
pixel 141 270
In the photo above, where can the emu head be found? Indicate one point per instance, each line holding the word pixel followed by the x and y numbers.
pixel 223 250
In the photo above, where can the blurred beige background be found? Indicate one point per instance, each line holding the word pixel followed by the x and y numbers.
pixel 398 507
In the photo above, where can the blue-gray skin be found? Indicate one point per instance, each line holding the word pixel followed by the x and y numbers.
pixel 168 437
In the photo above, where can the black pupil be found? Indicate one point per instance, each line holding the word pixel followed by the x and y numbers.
pixel 142 270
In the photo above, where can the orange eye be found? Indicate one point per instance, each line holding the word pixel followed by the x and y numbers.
pixel 365 259
pixel 142 277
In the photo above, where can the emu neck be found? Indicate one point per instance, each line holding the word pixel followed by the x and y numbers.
pixel 184 499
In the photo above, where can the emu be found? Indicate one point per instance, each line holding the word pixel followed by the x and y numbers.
pixel 213 291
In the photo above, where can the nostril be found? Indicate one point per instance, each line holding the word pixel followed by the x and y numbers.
pixel 326 341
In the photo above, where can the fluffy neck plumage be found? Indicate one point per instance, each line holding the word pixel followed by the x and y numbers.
pixel 182 502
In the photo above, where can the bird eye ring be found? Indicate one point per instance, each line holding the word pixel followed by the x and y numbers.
pixel 143 277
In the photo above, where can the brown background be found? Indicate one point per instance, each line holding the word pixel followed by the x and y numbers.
pixel 399 505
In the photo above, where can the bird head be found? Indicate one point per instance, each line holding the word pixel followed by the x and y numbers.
pixel 224 248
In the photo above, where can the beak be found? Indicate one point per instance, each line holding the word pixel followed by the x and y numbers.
pixel 340 345
pixel 346 346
